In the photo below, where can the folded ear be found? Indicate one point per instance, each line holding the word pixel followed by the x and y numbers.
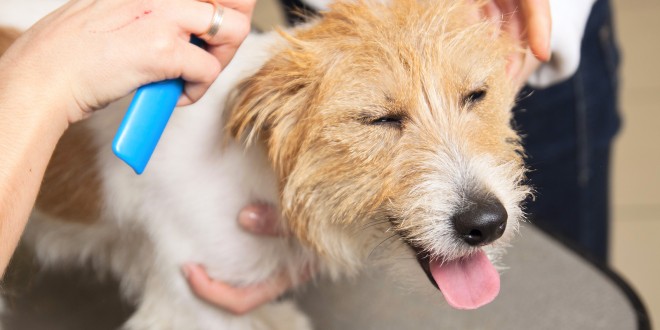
pixel 269 105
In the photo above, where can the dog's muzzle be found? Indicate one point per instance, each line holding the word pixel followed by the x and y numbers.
pixel 470 281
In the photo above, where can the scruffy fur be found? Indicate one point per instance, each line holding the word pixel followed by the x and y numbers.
pixel 366 124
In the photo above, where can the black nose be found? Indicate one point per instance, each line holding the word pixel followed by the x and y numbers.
pixel 482 222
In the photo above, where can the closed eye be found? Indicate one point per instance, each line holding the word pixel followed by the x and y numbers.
pixel 386 120
pixel 474 97
pixel 394 121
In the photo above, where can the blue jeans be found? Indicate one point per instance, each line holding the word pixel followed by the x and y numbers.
pixel 568 130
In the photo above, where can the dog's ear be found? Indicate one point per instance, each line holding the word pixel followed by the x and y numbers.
pixel 7 37
pixel 270 104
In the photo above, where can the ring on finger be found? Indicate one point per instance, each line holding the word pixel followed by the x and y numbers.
pixel 216 21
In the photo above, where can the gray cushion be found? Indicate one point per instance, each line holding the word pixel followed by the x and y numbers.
pixel 546 286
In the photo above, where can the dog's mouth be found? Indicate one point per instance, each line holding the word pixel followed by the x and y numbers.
pixel 466 283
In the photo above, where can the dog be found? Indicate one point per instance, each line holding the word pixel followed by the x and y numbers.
pixel 378 122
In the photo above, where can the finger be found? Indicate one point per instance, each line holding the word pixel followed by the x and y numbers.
pixel 195 17
pixel 246 7
pixel 224 53
pixel 235 300
pixel 192 92
pixel 198 16
pixel 199 69
pixel 260 219
pixel 538 21
pixel 234 28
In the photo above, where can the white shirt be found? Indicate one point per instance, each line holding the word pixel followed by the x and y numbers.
pixel 569 20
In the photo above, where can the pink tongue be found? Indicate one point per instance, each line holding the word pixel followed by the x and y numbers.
pixel 467 283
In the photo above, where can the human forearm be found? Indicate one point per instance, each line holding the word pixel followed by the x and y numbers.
pixel 27 140
pixel 82 57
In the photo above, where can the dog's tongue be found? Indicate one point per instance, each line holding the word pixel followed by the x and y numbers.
pixel 467 283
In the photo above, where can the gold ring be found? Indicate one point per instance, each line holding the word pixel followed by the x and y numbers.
pixel 216 21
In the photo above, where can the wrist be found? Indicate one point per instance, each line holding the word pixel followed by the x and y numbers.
pixel 31 101
pixel 32 85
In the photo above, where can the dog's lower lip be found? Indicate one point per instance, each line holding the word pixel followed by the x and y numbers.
pixel 423 257
pixel 424 260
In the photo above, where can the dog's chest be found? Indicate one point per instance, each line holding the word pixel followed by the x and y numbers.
pixel 195 185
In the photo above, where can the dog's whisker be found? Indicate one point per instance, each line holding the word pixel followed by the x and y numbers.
pixel 380 244
pixel 403 258
pixel 373 224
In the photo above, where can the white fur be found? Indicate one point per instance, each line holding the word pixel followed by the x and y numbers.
pixel 184 207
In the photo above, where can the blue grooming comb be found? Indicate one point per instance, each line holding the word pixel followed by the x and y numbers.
pixel 146 118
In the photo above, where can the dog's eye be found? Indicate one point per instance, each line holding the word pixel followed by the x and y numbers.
pixel 474 97
pixel 396 121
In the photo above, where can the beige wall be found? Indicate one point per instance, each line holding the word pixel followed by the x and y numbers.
pixel 636 181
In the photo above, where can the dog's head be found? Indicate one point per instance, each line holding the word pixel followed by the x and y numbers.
pixel 395 114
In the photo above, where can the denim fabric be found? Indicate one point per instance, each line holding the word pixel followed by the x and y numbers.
pixel 568 130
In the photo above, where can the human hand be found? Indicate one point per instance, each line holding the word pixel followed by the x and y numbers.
pixel 528 22
pixel 258 219
pixel 89 53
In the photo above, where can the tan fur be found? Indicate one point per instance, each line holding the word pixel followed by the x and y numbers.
pixel 312 104
pixel 71 188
